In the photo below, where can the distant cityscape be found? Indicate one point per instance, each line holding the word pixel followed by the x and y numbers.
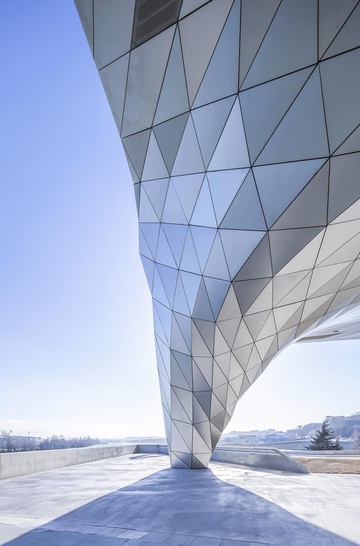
pixel 346 428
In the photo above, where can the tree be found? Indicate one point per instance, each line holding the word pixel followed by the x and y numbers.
pixel 337 446
pixel 59 442
pixel 324 439
pixel 6 434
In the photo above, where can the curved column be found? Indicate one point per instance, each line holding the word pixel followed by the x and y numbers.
pixel 240 123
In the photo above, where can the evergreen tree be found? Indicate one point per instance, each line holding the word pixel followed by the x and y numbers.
pixel 337 445
pixel 324 439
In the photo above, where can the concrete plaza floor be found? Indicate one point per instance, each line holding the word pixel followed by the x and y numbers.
pixel 138 500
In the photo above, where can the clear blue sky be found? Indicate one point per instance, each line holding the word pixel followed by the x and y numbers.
pixel 76 340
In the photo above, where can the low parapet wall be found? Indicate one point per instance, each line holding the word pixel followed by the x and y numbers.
pixel 265 458
pixel 162 449
pixel 31 462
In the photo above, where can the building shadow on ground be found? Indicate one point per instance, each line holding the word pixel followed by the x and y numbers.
pixel 176 506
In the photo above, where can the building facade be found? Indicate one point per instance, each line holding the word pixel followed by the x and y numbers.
pixel 241 124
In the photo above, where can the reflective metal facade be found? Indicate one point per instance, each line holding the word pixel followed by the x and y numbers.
pixel 240 122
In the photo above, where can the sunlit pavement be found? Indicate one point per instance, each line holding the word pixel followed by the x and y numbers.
pixel 139 500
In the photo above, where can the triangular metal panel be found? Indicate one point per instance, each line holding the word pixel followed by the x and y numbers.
pixel 216 265
pixel 185 365
pixel 255 322
pixel 238 245
pixel 298 293
pixel 221 77
pixel 199 444
pixel 264 106
pixel 209 123
pixel 205 365
pixel 187 189
pixel 156 191
pixel 344 188
pixel 207 332
pixel 204 399
pixel 203 239
pixel 148 266
pixel 173 98
pixel 288 243
pixel 151 232
pixel 302 134
pixel 177 377
pixel 199 35
pixel 336 236
pixel 223 361
pixel 189 261
pixel 231 151
pixel 258 265
pixel 136 148
pixel 177 410
pixel 283 284
pixel 190 5
pixel 175 235
pixel 224 185
pixel 168 277
pixel 348 36
pixel 114 78
pixel 180 304
pixel 173 212
pixel 290 43
pixel 321 276
pixel 311 205
pixel 239 360
pixel 168 136
pixel 351 144
pixel 112 31
pixel 284 314
pixel 243 336
pixel 221 346
pixel 305 259
pixel 332 16
pixel 245 211
pixel 340 79
pixel 264 300
pixel 191 284
pixel 247 292
pixel 164 255
pixel 204 214
pixel 188 159
pixel 149 60
pixel 229 329
pixel 199 416
pixel 348 252
pixel 202 307
pixel 216 290
pixel 279 184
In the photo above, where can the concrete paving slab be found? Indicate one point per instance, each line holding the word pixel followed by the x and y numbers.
pixel 133 534
pixel 134 542
pixel 239 543
pixel 158 538
pixel 137 500
pixel 180 539
pixel 202 541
